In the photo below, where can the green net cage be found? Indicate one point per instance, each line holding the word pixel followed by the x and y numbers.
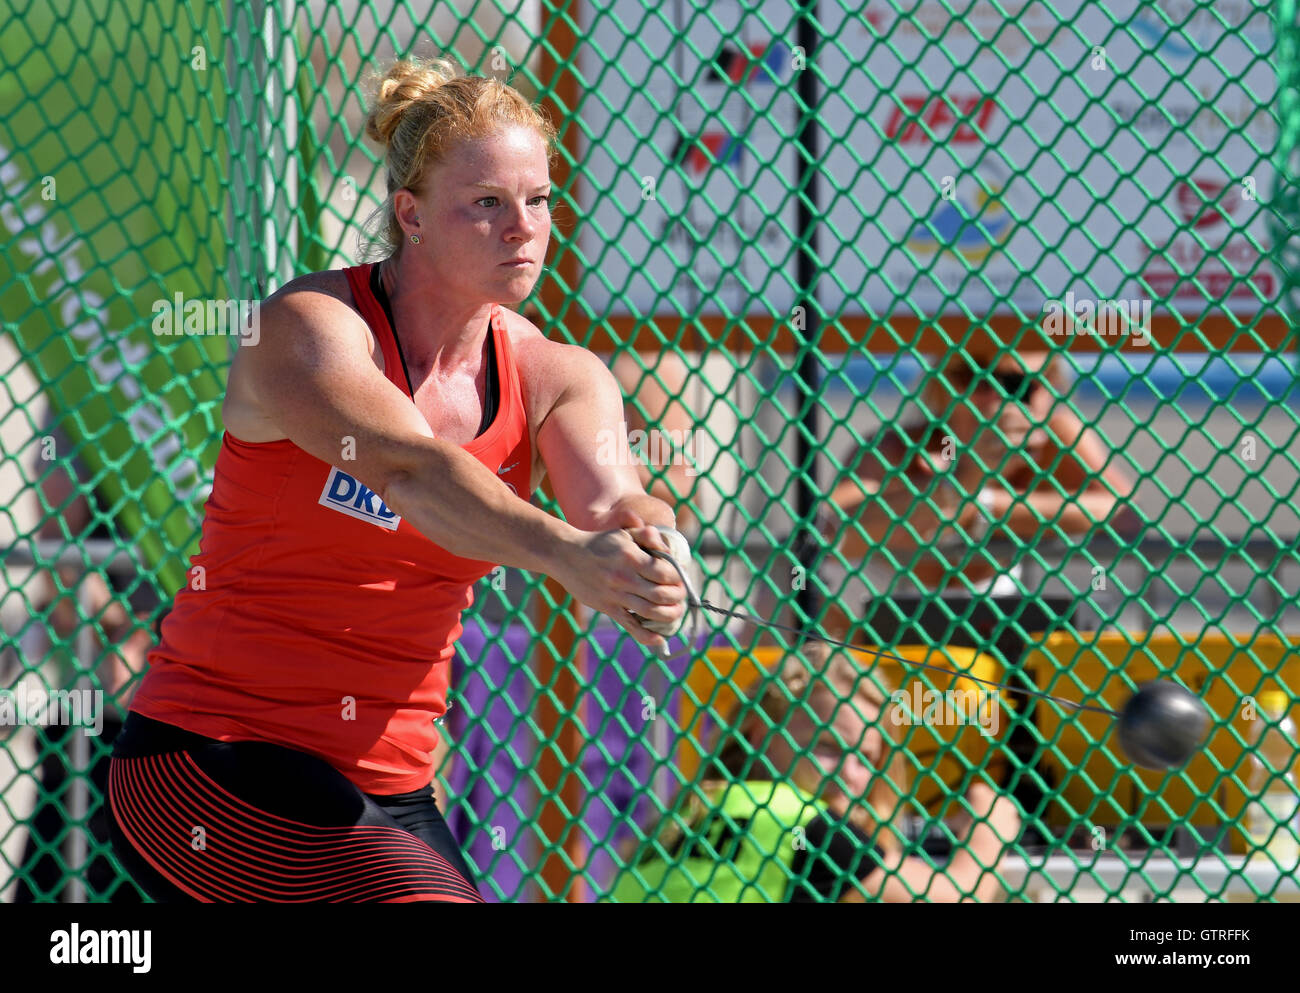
pixel 958 330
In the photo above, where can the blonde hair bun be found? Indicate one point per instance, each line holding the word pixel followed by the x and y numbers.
pixel 404 85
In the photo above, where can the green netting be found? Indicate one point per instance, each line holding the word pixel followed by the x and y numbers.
pixel 962 330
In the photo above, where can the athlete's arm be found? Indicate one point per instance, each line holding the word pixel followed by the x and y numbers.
pixel 591 469
pixel 587 458
pixel 311 379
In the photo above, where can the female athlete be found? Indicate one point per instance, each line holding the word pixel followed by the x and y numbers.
pixel 382 440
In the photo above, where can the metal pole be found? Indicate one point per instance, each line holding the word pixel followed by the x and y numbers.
pixel 807 263
pixel 54 553
pixel 262 132
pixel 561 658
pixel 79 758
pixel 278 124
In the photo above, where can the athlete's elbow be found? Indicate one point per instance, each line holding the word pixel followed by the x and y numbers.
pixel 408 473
pixel 397 488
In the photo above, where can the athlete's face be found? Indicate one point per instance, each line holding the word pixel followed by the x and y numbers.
pixel 488 216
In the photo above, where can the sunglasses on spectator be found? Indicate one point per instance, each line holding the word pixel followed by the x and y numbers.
pixel 1016 385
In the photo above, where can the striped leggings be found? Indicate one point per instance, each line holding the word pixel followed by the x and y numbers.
pixel 194 819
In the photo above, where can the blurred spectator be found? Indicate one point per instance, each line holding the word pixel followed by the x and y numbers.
pixel 1002 461
pixel 997 454
pixel 800 803
pixel 121 638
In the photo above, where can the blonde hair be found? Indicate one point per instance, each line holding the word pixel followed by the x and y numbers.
pixel 819 681
pixel 421 109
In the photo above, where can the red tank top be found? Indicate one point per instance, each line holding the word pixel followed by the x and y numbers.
pixel 320 620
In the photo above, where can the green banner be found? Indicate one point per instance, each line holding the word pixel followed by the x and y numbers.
pixel 112 156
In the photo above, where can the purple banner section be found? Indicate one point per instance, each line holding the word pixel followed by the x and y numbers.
pixel 629 708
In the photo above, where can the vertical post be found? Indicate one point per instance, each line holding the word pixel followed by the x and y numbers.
pixel 262 129
pixel 557 714
pixel 557 718
pixel 79 758
pixel 1284 217
pixel 807 226
pixel 278 127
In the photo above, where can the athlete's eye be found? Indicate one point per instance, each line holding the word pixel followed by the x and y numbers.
pixel 487 201
pixel 543 199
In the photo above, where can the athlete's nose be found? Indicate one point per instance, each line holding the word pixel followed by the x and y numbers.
pixel 521 226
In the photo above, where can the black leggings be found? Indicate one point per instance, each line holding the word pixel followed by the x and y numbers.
pixel 195 819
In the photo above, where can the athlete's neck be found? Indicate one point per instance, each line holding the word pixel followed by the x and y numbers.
pixel 437 331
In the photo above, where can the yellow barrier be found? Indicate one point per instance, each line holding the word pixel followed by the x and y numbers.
pixel 1095 787
pixel 939 752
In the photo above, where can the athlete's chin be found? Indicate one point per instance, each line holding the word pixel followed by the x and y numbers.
pixel 516 287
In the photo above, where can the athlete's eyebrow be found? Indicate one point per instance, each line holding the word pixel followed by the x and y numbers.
pixel 501 189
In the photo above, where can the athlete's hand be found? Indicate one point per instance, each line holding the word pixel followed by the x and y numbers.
pixel 679 550
pixel 611 572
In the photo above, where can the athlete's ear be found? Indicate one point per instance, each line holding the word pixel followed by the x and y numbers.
pixel 406 209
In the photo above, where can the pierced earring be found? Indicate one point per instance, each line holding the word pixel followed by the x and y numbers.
pixel 415 239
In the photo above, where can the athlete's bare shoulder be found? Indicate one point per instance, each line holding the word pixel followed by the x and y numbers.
pixel 547 367
pixel 331 283
pixel 308 314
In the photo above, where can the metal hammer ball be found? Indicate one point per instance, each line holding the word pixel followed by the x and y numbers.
pixel 1162 725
